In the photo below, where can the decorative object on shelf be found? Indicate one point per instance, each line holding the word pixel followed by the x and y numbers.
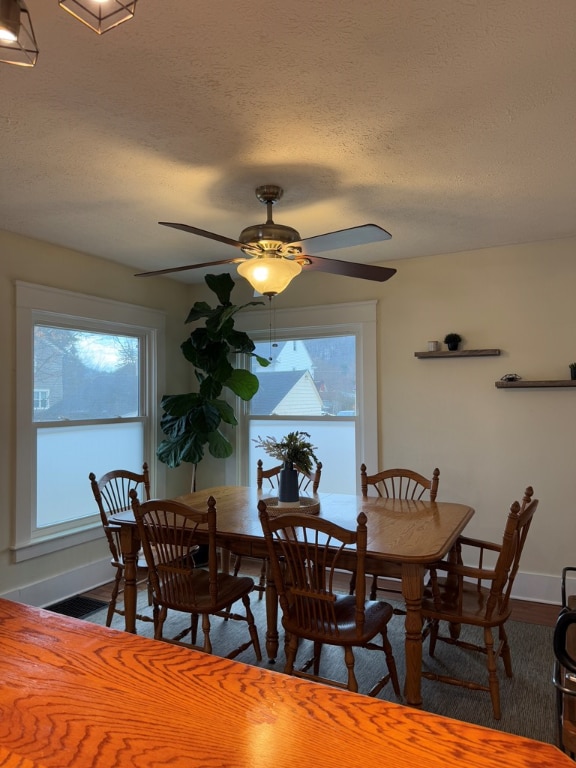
pixel 510 377
pixel 304 504
pixel 294 449
pixel 452 340
pixel 572 367
pixel 433 346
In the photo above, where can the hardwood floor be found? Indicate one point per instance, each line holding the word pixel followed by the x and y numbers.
pixel 522 610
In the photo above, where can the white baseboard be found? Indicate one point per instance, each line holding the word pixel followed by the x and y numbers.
pixel 541 588
pixel 64 585
pixel 536 587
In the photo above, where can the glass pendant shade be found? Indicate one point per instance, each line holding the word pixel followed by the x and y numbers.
pixel 100 15
pixel 269 276
pixel 17 40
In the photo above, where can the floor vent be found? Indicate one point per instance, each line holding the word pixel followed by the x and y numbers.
pixel 77 607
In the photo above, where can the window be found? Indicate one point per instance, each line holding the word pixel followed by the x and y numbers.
pixel 321 380
pixel 87 377
pixel 41 399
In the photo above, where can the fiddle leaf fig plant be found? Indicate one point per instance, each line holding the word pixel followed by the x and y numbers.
pixel 192 421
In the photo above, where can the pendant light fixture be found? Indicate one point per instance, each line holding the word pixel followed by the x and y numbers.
pixel 100 15
pixel 269 275
pixel 17 40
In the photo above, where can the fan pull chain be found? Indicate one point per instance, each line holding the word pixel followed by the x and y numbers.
pixel 272 329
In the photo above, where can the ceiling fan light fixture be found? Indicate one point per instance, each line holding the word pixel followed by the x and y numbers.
pixel 100 15
pixel 269 275
pixel 18 44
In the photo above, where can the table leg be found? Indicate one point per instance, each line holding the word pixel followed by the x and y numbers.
pixel 271 616
pixel 412 590
pixel 130 546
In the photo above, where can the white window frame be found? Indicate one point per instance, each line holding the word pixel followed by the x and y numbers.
pixel 41 304
pixel 354 318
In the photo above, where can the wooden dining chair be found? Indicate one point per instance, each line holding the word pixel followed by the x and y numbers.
pixel 269 479
pixel 169 531
pixel 400 484
pixel 478 595
pixel 306 555
pixel 112 495
pixel 396 484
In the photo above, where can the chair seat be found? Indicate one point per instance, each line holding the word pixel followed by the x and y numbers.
pixel 377 615
pixel 471 609
pixel 191 591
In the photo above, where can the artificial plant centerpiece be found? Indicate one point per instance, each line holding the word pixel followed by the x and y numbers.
pixel 296 452
pixel 192 421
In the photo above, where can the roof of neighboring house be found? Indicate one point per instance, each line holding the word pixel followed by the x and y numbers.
pixel 274 386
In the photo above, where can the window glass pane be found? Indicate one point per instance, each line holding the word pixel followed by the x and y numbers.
pixel 84 375
pixel 307 377
pixel 67 455
pixel 335 441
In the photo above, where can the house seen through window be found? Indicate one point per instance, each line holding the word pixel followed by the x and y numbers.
pixel 309 386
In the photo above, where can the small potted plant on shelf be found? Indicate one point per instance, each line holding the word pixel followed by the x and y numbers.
pixel 293 450
pixel 452 340
pixel 572 367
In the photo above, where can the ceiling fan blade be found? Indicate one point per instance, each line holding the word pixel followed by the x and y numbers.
pixel 346 268
pixel 343 238
pixel 168 270
pixel 203 233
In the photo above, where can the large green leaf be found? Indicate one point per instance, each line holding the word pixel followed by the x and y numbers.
pixel 219 446
pixel 199 309
pixel 179 405
pixel 226 412
pixel 188 448
pixel 243 383
pixel 221 285
pixel 210 388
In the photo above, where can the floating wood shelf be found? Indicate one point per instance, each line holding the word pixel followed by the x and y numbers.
pixel 460 353
pixel 532 384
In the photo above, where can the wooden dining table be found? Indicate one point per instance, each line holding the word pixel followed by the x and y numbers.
pixel 78 695
pixel 412 534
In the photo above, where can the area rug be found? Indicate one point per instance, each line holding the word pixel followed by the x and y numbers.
pixel 528 700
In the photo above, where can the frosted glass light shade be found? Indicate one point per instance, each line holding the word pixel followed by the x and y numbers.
pixel 17 40
pixel 100 15
pixel 269 276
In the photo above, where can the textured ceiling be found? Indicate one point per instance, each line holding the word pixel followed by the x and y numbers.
pixel 449 123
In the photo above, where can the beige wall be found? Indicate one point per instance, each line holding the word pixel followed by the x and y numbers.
pixel 43 264
pixel 488 443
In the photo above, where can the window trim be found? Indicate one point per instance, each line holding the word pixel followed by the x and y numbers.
pixel 38 303
pixel 357 318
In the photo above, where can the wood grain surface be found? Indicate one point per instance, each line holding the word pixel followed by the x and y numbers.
pixel 77 694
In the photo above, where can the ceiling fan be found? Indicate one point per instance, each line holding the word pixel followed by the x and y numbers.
pixel 273 254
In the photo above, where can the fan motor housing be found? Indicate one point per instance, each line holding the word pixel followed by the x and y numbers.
pixel 269 231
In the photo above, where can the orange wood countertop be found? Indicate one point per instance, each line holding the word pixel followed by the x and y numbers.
pixel 77 694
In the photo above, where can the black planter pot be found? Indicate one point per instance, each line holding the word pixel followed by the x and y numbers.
pixel 453 346
pixel 288 484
